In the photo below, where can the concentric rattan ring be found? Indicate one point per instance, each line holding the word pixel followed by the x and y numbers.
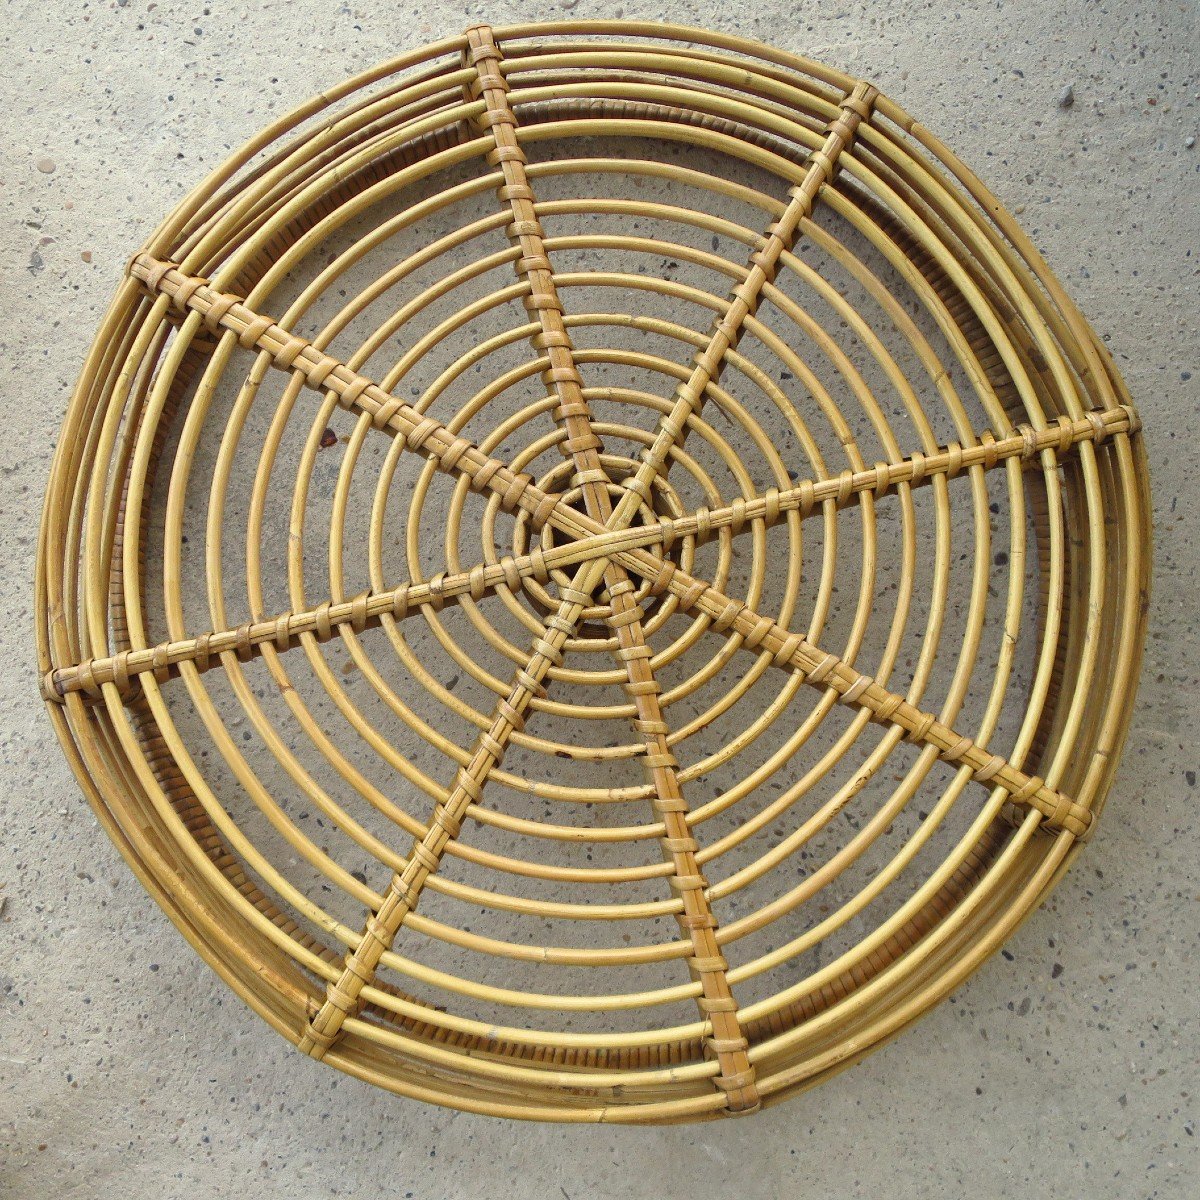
pixel 594 573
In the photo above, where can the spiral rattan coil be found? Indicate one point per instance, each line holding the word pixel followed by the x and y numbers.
pixel 784 628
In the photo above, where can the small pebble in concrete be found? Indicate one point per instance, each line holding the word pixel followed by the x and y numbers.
pixel 45 165
pixel 1189 141
pixel 1066 97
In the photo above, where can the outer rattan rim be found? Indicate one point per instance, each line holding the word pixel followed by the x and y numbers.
pixel 1058 409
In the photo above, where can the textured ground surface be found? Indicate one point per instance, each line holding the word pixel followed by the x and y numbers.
pixel 1066 1067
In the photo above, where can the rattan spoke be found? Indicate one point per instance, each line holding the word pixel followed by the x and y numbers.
pixel 363 611
pixel 404 889
pixel 807 497
pixel 746 296
pixel 822 669
pixel 582 448
pixel 289 352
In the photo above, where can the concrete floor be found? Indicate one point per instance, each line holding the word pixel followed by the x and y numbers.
pixel 1067 1067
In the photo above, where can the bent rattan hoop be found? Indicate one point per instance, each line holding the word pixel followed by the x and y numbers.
pixel 749 701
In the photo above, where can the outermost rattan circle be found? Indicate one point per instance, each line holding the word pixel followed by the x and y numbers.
pixel 594 573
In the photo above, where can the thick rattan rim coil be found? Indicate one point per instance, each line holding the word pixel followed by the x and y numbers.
pixel 594 573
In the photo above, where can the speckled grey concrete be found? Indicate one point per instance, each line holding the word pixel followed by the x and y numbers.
pixel 1067 1066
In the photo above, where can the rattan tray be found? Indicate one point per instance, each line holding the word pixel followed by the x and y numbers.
pixel 594 573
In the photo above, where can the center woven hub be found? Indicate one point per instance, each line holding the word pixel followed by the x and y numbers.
pixel 596 616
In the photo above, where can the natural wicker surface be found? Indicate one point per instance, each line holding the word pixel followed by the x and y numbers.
pixel 594 573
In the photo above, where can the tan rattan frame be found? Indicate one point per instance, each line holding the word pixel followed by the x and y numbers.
pixel 604 559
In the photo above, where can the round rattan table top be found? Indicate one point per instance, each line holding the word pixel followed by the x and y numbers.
pixel 594 573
